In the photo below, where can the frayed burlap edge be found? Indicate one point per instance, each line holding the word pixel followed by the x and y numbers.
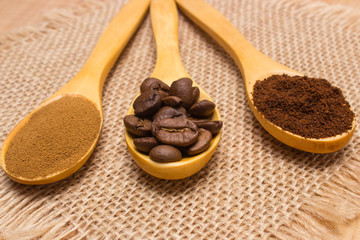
pixel 337 200
pixel 49 225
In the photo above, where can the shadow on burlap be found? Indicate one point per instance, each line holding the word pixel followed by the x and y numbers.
pixel 253 188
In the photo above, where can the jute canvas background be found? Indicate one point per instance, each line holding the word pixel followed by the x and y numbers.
pixel 253 188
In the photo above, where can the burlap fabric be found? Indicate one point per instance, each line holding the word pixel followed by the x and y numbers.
pixel 253 188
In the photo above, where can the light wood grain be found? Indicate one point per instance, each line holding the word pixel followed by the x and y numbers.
pixel 19 13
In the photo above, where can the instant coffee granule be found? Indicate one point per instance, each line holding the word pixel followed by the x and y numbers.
pixel 54 138
pixel 309 107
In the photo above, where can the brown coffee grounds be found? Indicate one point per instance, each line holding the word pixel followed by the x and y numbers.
pixel 309 107
pixel 54 138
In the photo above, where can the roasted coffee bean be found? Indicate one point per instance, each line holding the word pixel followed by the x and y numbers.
pixel 138 126
pixel 163 94
pixel 179 132
pixel 213 126
pixel 165 112
pixel 182 110
pixel 168 112
pixel 172 101
pixel 147 103
pixel 182 88
pixel 180 125
pixel 154 84
pixel 165 153
pixel 145 144
pixel 202 143
pixel 196 95
pixel 198 120
pixel 203 108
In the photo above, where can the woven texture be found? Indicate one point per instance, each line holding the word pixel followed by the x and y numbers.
pixel 254 187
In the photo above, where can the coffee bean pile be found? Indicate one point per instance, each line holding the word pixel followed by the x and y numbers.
pixel 171 122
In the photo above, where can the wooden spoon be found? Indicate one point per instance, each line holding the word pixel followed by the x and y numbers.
pixel 254 66
pixel 88 83
pixel 169 68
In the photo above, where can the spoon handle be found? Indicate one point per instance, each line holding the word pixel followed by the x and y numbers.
pixel 108 48
pixel 164 22
pixel 250 61
pixel 218 27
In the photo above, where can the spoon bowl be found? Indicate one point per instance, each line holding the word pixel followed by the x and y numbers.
pixel 72 167
pixel 255 66
pixel 169 68
pixel 86 86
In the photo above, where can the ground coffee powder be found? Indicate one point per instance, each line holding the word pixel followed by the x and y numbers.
pixel 309 107
pixel 54 138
